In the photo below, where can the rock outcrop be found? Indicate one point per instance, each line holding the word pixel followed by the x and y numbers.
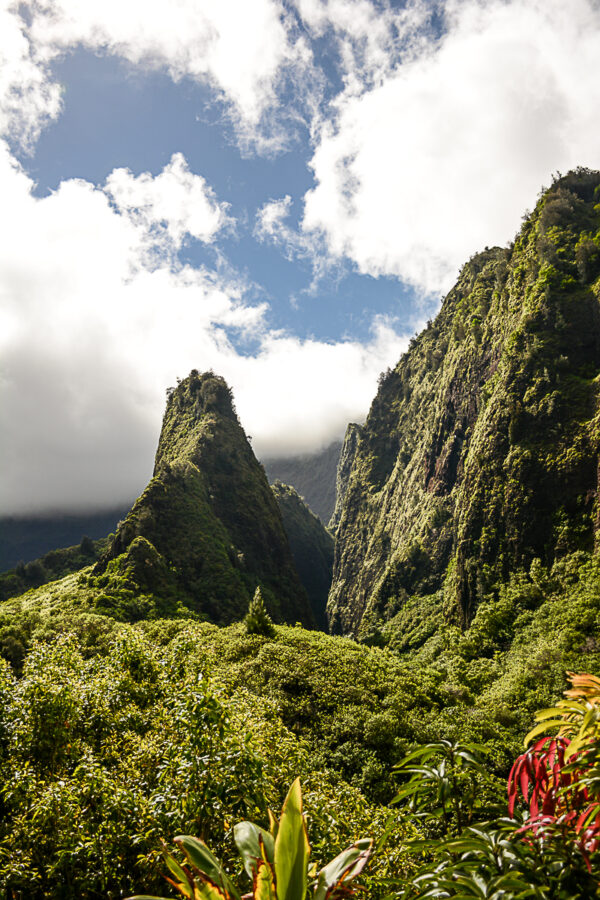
pixel 480 453
pixel 207 530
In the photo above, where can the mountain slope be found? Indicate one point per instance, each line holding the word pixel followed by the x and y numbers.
pixel 345 463
pixel 207 529
pixel 26 539
pixel 312 475
pixel 311 546
pixel 480 452
pixel 53 565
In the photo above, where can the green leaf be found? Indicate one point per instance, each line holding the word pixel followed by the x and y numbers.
pixel 264 882
pixel 273 823
pixel 202 859
pixel 424 753
pixel 414 786
pixel 248 839
pixel 175 868
pixel 291 848
pixel 346 866
pixel 541 729
pixel 208 890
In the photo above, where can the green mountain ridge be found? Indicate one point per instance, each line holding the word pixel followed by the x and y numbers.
pixel 466 584
pixel 207 530
pixel 480 452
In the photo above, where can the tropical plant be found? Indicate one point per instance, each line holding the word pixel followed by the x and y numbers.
pixel 275 860
pixel 559 777
pixel 444 782
pixel 552 853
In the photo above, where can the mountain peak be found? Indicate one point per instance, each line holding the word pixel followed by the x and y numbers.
pixel 193 407
pixel 209 514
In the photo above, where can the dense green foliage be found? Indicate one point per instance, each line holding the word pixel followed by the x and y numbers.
pixel 480 452
pixel 549 847
pixel 112 736
pixel 101 755
pixel 358 708
pixel 51 566
pixel 339 713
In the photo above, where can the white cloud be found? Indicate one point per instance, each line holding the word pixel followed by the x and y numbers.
pixel 27 97
pixel 90 338
pixel 297 396
pixel 271 226
pixel 168 207
pixel 242 49
pixel 88 347
pixel 371 37
pixel 441 156
pixel 271 217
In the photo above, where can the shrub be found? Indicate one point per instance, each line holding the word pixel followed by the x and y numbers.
pixel 276 861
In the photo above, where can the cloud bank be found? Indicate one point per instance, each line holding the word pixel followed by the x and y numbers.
pixel 443 153
pixel 242 50
pixel 94 326
pixel 440 126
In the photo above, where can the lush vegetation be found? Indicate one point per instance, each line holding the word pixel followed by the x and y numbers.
pixel 481 448
pixel 174 726
pixel 154 692
pixel 117 737
pixel 548 848
pixel 51 566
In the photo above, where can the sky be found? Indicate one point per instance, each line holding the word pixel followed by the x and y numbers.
pixel 278 190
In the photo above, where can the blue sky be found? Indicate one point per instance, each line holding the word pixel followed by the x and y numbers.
pixel 114 115
pixel 280 190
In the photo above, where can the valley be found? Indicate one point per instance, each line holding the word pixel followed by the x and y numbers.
pixel 456 584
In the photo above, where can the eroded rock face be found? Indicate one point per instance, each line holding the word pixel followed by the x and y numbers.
pixel 481 449
pixel 210 515
pixel 347 454
pixel 311 545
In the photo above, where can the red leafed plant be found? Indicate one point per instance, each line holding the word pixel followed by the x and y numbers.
pixel 559 777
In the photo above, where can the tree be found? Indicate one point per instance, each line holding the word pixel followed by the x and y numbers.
pixel 257 619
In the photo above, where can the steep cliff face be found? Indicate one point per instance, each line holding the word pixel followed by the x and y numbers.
pixel 481 449
pixel 311 546
pixel 207 529
pixel 346 460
